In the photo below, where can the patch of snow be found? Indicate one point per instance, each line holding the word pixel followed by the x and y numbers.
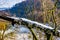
pixel 33 22
pixel 40 24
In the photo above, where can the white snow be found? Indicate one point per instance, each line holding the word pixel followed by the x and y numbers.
pixel 58 30
pixel 8 31
pixel 39 24
pixel 15 18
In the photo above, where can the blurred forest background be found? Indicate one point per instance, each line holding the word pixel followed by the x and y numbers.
pixel 35 10
pixel 43 11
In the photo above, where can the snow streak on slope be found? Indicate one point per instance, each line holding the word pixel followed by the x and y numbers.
pixel 32 22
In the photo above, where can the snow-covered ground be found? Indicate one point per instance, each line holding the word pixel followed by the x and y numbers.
pixel 17 35
pixel 22 36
